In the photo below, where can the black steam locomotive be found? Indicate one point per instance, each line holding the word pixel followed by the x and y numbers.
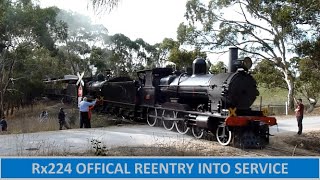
pixel 195 102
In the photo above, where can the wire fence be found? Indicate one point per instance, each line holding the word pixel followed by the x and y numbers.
pixel 277 109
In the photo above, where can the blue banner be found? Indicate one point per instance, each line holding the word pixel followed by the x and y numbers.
pixel 159 167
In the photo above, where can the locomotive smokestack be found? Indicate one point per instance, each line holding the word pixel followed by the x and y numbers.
pixel 233 56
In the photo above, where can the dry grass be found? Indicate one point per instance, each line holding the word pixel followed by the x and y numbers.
pixel 309 141
pixel 27 120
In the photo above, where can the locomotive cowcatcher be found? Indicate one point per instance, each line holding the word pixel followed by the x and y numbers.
pixel 195 102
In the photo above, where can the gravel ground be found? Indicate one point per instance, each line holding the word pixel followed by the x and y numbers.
pixel 285 142
pixel 142 140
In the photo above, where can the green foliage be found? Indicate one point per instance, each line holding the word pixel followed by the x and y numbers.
pixel 183 58
pixel 308 82
pixel 78 41
pixel 263 28
pixel 271 96
pixel 124 56
pixel 217 68
pixel 268 76
pixel 309 68
pixel 27 44
pixel 172 51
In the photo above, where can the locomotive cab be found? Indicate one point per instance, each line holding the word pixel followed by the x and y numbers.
pixel 150 80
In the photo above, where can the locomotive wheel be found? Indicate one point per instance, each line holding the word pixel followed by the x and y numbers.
pixel 181 125
pixel 168 124
pixel 197 132
pixel 223 135
pixel 152 117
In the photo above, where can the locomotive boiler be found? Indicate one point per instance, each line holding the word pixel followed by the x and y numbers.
pixel 213 92
pixel 198 103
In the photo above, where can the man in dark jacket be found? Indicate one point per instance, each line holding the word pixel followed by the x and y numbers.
pixel 3 124
pixel 62 119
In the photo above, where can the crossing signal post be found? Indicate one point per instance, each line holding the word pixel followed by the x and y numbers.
pixel 80 85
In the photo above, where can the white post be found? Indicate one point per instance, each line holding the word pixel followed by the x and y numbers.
pixel 286 108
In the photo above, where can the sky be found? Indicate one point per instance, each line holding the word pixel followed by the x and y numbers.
pixel 151 20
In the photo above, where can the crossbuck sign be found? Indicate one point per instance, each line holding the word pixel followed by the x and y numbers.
pixel 80 81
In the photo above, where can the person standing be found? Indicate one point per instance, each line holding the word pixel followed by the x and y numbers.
pixel 299 115
pixel 84 112
pixel 62 119
pixel 3 124
pixel 89 115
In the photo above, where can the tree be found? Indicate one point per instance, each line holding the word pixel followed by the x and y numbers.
pixel 265 29
pixel 171 50
pixel 309 68
pixel 268 76
pixel 183 58
pixel 217 68
pixel 77 43
pixel 24 28
pixel 104 5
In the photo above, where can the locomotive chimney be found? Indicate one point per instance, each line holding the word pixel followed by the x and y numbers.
pixel 233 56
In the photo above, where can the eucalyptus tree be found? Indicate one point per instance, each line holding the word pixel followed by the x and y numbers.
pixel 81 36
pixel 104 5
pixel 171 50
pixel 147 55
pixel 265 29
pixel 219 67
pixel 24 27
pixel 309 70
pixel 122 60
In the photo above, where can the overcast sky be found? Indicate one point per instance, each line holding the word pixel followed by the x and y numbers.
pixel 151 20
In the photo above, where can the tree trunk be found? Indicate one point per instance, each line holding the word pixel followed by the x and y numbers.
pixel 312 105
pixel 289 81
pixel 1 105
pixel 12 109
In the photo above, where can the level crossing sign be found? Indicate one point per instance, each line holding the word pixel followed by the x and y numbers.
pixel 80 81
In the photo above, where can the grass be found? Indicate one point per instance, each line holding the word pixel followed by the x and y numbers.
pixel 309 141
pixel 274 96
pixel 275 100
pixel 27 120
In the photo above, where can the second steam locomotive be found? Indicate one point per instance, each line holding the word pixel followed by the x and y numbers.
pixel 195 102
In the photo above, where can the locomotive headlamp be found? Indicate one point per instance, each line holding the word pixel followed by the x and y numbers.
pixel 247 62
pixel 243 63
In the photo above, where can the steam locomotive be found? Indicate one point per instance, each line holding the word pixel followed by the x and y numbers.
pixel 196 102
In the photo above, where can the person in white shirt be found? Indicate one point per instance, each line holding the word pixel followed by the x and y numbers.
pixel 84 109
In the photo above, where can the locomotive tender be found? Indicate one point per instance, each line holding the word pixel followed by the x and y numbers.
pixel 196 102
